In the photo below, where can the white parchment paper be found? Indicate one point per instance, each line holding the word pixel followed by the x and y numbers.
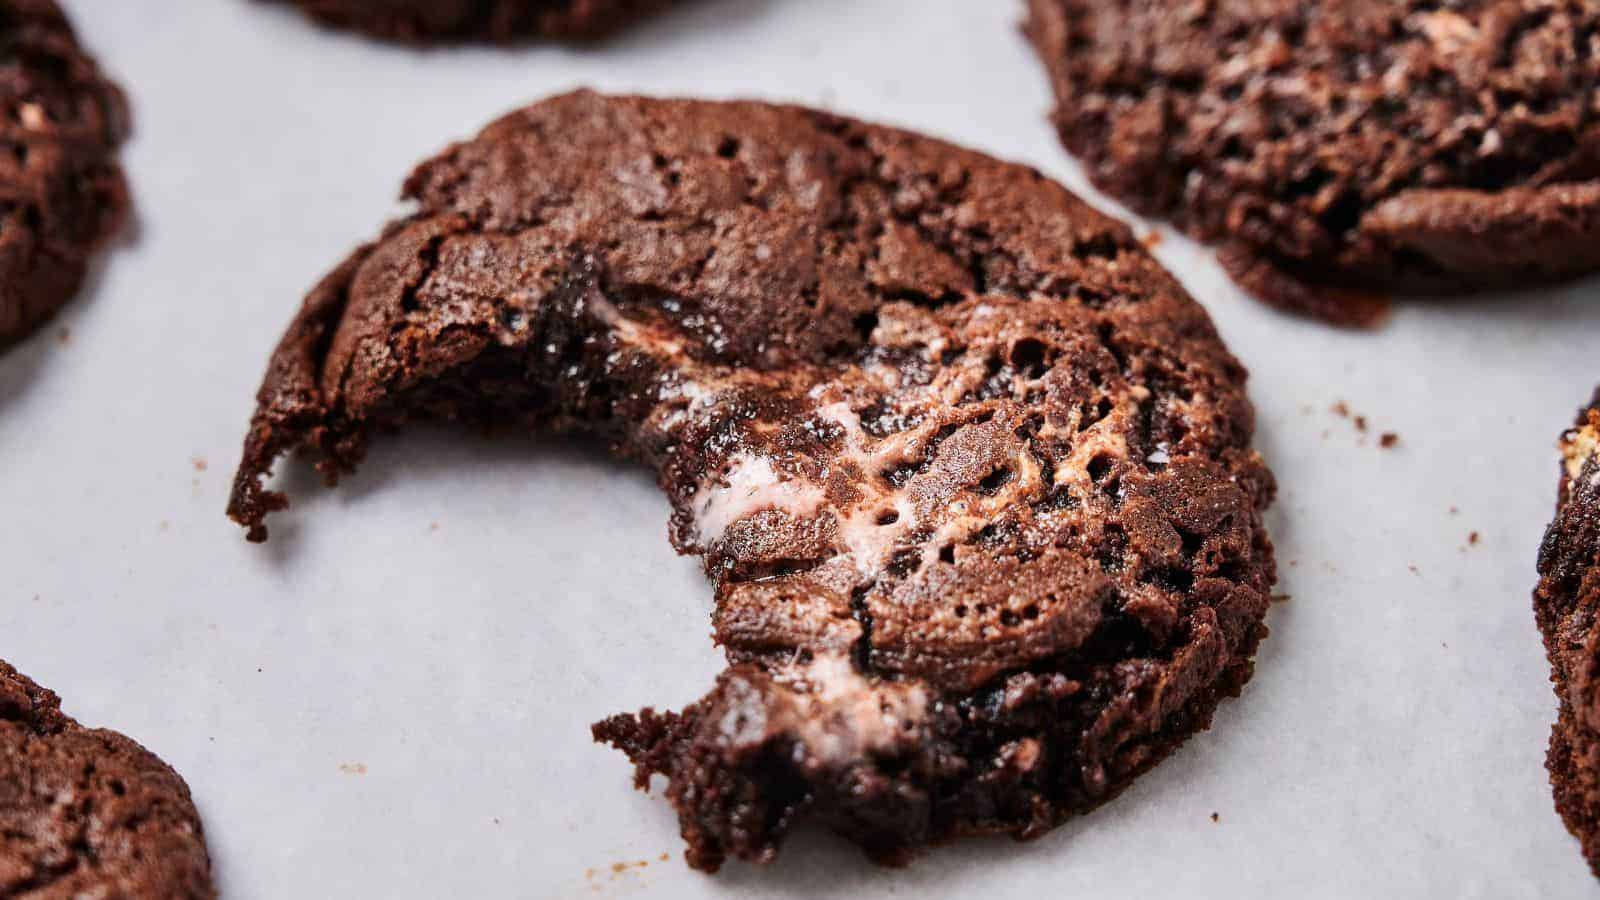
pixel 392 698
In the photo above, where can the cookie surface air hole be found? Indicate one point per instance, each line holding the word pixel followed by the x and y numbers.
pixel 1027 357
pixel 994 481
pixel 1099 467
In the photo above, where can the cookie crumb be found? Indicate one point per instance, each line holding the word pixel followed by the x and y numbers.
pixel 1152 240
pixel 1388 440
pixel 1361 423
pixel 1215 818
pixel 1282 598
pixel 1341 409
pixel 200 464
pixel 1472 538
pixel 353 768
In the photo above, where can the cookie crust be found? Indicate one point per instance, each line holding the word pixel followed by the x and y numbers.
pixel 62 194
pixel 1338 151
pixel 498 21
pixel 970 473
pixel 88 812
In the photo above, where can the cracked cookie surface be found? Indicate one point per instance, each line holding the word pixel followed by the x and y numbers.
pixel 426 21
pixel 970 473
pixel 1342 149
pixel 62 194
pixel 88 812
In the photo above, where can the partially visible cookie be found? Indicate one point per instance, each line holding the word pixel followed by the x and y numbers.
pixel 1342 149
pixel 1567 606
pixel 61 190
pixel 89 813
pixel 423 21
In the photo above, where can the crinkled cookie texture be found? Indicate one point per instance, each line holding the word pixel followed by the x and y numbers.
pixel 970 473
pixel 89 813
pixel 1567 604
pixel 424 21
pixel 1342 149
pixel 62 194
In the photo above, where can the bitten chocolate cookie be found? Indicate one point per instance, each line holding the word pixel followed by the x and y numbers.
pixel 61 190
pixel 87 812
pixel 422 21
pixel 1342 149
pixel 970 473
pixel 1566 604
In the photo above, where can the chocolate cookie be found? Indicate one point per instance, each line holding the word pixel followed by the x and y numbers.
pixel 1342 149
pixel 61 190
pixel 971 474
pixel 421 21
pixel 89 813
pixel 1566 604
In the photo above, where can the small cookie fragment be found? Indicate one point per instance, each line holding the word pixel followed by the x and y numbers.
pixel 62 194
pixel 499 21
pixel 88 812
pixel 1337 151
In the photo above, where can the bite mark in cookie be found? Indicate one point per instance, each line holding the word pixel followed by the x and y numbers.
pixel 87 812
pixel 62 194
pixel 1340 150
pixel 970 473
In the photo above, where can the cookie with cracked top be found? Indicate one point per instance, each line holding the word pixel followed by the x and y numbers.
pixel 88 812
pixel 501 21
pixel 1341 150
pixel 1566 604
pixel 970 473
pixel 62 194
